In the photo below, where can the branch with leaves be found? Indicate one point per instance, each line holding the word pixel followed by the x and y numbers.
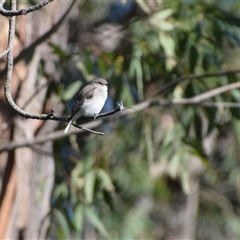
pixel 197 100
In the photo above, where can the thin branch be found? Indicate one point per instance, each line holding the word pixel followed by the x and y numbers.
pixel 11 34
pixel 59 134
pixel 193 77
pixel 119 109
pixel 10 13
pixel 7 85
pixel 137 108
pixel 221 104
pixel 199 98
pixel 47 137
pixel 5 52
pixel 42 38
pixel 87 129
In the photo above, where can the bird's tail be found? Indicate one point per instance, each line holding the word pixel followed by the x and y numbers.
pixel 67 127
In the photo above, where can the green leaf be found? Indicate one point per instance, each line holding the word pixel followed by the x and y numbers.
pixel 71 90
pixel 182 43
pixel 163 14
pixel 185 181
pixel 232 20
pixel 63 231
pixel 78 217
pixel 187 118
pixel 89 185
pixel 193 57
pixel 143 5
pixel 61 190
pixel 148 140
pixel 168 45
pixel 108 199
pixel 174 165
pixel 236 98
pixel 58 50
pixel 96 222
pixel 158 20
pixel 211 116
pixel 217 33
pixel 105 180
pixel 198 125
pixel 235 112
pixel 206 62
pixel 189 91
pixel 196 144
pixel 136 70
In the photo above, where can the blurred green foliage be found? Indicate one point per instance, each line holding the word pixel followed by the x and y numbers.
pixel 119 183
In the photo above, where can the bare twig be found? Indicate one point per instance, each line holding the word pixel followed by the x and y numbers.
pixel 47 137
pixel 11 34
pixel 221 104
pixel 9 13
pixel 199 98
pixel 193 77
pixel 4 52
pixel 87 129
pixel 42 38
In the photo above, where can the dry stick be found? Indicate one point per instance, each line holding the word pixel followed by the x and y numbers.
pixel 47 137
pixel 87 129
pixel 221 104
pixel 9 13
pixel 7 85
pixel 201 97
pixel 193 77
pixel 42 38
pixel 138 107
pixel 4 52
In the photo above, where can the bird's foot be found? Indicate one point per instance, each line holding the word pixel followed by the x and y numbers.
pixel 120 105
pixel 95 116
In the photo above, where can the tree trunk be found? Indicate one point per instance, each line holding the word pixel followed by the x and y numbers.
pixel 27 174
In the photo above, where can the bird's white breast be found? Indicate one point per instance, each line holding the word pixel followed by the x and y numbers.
pixel 95 104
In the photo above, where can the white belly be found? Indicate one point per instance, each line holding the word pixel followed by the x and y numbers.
pixel 93 106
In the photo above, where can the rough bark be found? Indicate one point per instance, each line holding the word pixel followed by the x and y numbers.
pixel 27 174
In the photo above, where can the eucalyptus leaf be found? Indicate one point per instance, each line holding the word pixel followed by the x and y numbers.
pixel 89 185
pixel 105 180
pixel 168 45
pixel 96 222
pixel 78 217
pixel 71 90
pixel 63 231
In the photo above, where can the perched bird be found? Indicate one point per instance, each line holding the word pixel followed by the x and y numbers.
pixel 90 101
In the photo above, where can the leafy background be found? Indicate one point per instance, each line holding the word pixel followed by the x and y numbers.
pixel 168 171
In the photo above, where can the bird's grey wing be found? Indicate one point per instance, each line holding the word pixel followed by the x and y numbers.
pixel 86 93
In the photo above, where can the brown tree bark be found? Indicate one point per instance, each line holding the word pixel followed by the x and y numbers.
pixel 27 174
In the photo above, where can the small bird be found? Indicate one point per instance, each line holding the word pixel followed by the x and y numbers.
pixel 90 101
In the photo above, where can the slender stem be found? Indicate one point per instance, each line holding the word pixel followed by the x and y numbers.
pixel 87 129
pixel 193 77
pixel 42 38
pixel 9 13
pixel 2 54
